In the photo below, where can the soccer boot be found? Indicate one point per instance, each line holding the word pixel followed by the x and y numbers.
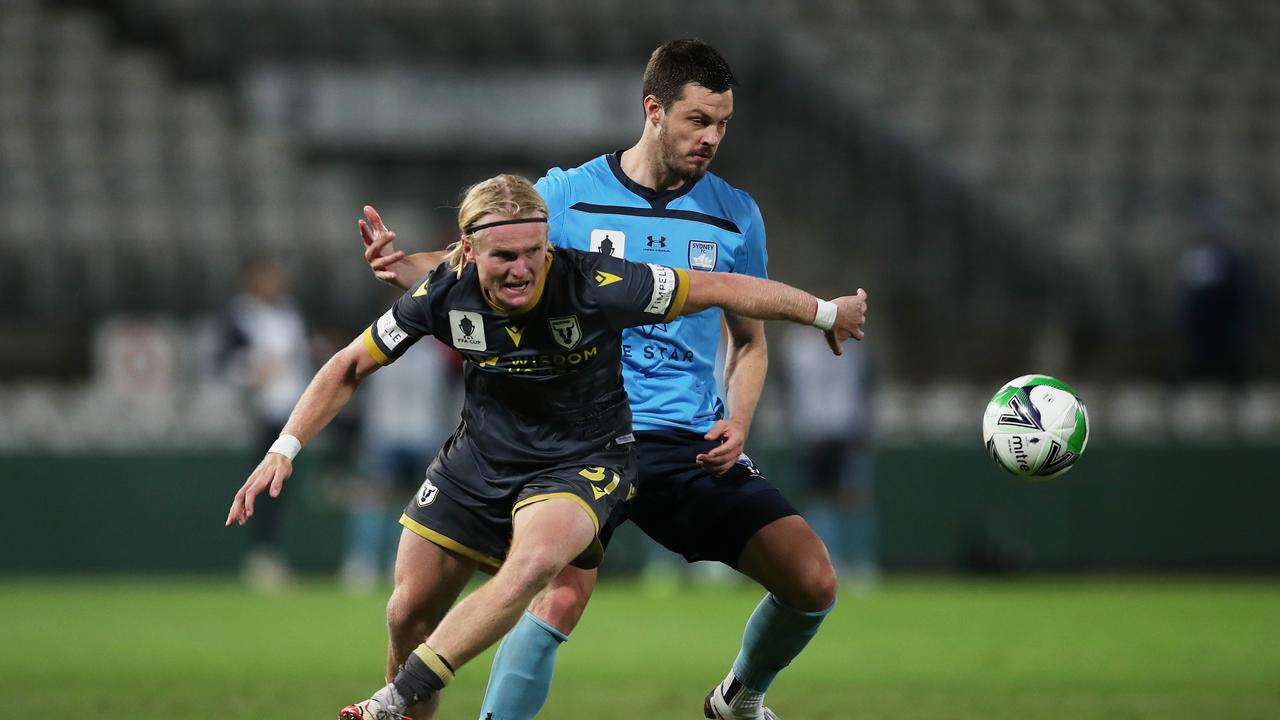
pixel 731 700
pixel 370 710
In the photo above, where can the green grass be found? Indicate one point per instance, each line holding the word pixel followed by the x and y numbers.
pixel 911 649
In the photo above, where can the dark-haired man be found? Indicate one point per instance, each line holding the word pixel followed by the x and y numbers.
pixel 700 496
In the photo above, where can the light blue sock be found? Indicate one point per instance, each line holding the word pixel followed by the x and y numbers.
pixel 774 636
pixel 520 678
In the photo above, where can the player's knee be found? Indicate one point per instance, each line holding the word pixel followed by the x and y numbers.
pixel 824 585
pixel 815 586
pixel 533 569
pixel 407 617
pixel 562 605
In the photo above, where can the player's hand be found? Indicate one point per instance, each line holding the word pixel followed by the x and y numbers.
pixel 732 437
pixel 851 313
pixel 379 251
pixel 270 474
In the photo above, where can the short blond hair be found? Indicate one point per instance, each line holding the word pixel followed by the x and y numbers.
pixel 509 196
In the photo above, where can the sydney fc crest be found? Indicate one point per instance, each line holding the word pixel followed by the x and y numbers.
pixel 566 331
pixel 702 255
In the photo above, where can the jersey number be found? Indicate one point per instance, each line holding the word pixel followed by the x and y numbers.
pixel 597 475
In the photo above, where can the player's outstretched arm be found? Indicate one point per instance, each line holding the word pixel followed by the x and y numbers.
pixel 387 263
pixel 329 390
pixel 771 300
pixel 745 365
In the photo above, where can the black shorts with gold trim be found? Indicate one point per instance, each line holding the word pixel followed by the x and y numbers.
pixel 469 511
pixel 692 512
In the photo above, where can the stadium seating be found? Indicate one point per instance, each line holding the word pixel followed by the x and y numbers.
pixel 147 194
pixel 994 159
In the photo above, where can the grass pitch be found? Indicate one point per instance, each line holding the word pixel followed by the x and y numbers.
pixel 911 649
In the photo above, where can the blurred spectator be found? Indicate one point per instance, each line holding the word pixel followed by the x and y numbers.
pixel 410 407
pixel 1212 292
pixel 268 356
pixel 829 403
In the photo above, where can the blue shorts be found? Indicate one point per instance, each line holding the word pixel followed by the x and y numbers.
pixel 690 511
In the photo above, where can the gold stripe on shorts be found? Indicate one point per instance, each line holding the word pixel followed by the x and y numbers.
pixel 550 496
pixel 449 543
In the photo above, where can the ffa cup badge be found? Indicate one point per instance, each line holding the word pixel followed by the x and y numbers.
pixel 608 242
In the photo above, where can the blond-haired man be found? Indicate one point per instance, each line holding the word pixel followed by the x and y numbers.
pixel 544 451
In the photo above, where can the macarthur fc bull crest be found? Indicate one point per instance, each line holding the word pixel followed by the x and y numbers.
pixel 427 493
pixel 566 331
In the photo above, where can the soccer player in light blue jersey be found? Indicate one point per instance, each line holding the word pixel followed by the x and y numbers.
pixel 699 494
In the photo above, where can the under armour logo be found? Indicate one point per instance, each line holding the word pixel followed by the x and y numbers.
pixel 660 242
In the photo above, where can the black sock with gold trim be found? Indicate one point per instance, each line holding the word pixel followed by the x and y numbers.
pixel 424 674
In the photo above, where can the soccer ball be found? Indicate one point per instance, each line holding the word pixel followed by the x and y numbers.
pixel 1035 427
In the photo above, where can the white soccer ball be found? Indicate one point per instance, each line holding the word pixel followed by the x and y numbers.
pixel 1035 427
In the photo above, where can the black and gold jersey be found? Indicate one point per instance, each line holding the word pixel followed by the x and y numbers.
pixel 543 386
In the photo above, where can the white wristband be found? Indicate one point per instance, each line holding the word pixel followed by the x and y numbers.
pixel 825 319
pixel 286 445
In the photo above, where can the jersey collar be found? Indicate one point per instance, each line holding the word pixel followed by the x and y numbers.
pixel 658 200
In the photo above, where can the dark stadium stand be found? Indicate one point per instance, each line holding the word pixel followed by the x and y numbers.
pixel 990 160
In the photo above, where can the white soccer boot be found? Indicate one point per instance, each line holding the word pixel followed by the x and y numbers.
pixel 731 700
pixel 369 710
pixel 385 704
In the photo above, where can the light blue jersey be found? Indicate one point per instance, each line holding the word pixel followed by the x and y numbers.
pixel 669 369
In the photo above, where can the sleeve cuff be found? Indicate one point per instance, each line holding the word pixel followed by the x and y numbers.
pixel 682 294
pixel 371 346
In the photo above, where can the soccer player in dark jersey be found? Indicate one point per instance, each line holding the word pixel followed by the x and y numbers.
pixel 657 202
pixel 530 481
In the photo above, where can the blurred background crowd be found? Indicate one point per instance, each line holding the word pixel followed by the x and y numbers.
pixel 1084 188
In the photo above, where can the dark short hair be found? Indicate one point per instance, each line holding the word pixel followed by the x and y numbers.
pixel 680 62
